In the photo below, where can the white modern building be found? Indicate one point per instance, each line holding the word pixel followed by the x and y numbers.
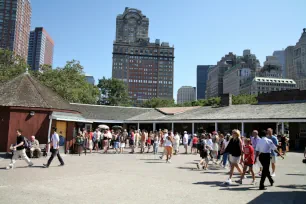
pixel 186 94
pixel 265 85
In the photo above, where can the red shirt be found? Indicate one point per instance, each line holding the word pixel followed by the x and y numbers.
pixel 248 154
pixel 195 140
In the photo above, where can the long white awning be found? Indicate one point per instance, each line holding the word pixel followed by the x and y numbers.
pixel 74 117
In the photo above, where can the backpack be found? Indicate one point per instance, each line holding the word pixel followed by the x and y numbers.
pixel 26 143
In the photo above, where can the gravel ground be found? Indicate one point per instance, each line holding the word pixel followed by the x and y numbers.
pixel 143 178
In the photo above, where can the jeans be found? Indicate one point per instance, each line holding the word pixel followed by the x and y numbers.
pixel 55 152
pixel 225 158
pixel 155 148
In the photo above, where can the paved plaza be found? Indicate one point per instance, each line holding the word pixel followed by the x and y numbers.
pixel 145 179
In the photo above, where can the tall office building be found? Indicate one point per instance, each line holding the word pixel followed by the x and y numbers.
pixel 289 62
pixel 280 55
pixel 90 79
pixel 15 22
pixel 202 71
pixel 41 48
pixel 186 94
pixel 299 61
pixel 147 68
pixel 214 86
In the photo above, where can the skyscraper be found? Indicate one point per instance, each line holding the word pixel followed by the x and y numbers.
pixel 41 48
pixel 186 94
pixel 15 22
pixel 147 68
pixel 280 55
pixel 289 62
pixel 202 71
pixel 299 61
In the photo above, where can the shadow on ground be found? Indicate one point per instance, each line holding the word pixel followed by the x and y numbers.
pixel 296 174
pixel 284 197
pixel 296 187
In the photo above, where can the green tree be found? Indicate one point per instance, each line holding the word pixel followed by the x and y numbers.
pixel 10 65
pixel 69 82
pixel 158 103
pixel 244 99
pixel 114 92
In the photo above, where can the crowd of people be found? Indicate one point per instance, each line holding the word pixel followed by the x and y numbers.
pixel 229 150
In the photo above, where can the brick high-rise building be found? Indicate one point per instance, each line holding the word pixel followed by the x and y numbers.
pixel 15 22
pixel 147 68
pixel 41 48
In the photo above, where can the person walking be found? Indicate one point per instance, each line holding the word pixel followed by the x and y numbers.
pixel 156 143
pixel 185 141
pixel 194 144
pixel 203 148
pixel 176 143
pixel 122 142
pixel 248 160
pixel 168 147
pixel 90 142
pixel 55 149
pixel 254 141
pixel 97 139
pixel 164 137
pixel 263 151
pixel 225 154
pixel 19 151
pixel 234 148
pixel 132 141
pixel 273 154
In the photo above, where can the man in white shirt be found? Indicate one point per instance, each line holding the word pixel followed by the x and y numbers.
pixel 185 141
pixel 55 149
pixel 263 150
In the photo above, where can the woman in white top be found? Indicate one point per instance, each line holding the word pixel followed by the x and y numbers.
pixel 176 143
pixel 168 148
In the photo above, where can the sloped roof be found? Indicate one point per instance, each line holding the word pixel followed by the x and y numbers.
pixel 102 112
pixel 244 112
pixel 26 91
pixel 176 110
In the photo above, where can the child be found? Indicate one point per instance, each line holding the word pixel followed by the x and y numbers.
pixel 156 143
pixel 203 153
pixel 248 160
pixel 194 144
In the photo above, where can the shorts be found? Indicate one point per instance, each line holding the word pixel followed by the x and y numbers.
pixel 203 154
pixel 273 159
pixel 105 143
pixel 168 150
pixel 122 145
pixel 234 160
pixel 194 146
pixel 131 142
pixel 185 145
pixel 249 165
pixel 116 145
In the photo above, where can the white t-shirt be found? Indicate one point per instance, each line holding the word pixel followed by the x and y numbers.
pixel 168 143
pixel 185 139
pixel 55 140
pixel 165 138
pixel 209 143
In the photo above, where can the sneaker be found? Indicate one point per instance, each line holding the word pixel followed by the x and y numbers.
pixel 9 167
pixel 161 157
pixel 31 164
pixel 229 182
pixel 239 181
pixel 198 166
pixel 45 166
pixel 245 177
pixel 169 161
pixel 273 174
pixel 253 183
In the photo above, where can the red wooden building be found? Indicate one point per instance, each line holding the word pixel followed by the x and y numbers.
pixel 28 105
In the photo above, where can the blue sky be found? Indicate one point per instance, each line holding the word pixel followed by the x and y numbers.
pixel 201 31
